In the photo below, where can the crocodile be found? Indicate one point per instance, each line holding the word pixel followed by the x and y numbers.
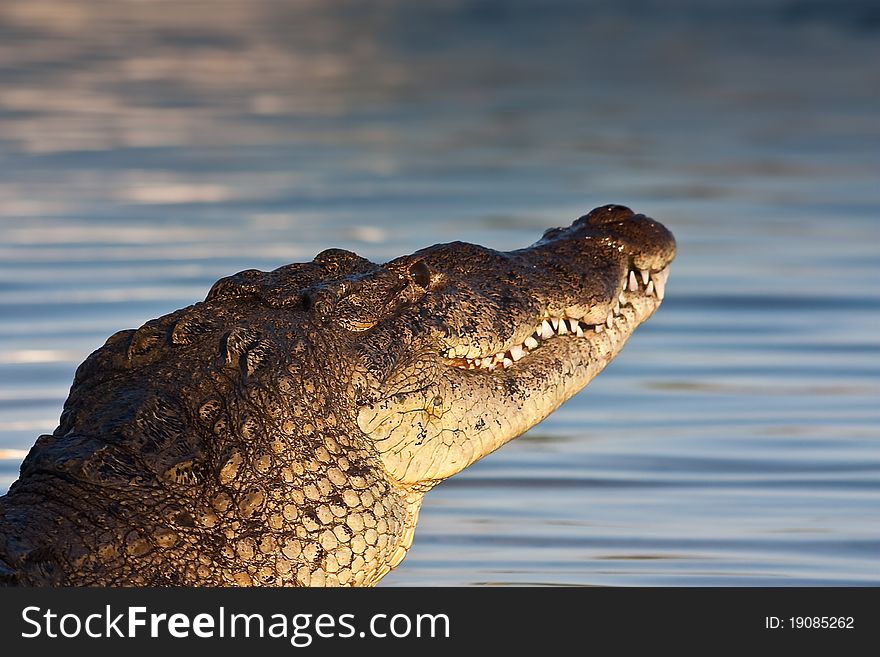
pixel 284 431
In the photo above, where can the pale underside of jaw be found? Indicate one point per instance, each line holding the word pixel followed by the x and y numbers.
pixel 643 282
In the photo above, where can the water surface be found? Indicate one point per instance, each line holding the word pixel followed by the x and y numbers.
pixel 735 441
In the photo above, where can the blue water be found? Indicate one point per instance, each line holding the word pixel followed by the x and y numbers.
pixel 735 441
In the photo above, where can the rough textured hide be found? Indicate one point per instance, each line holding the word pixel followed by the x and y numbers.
pixel 284 431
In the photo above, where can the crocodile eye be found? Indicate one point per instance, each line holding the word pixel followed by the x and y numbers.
pixel 420 274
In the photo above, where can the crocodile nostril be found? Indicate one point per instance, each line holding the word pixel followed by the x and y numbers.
pixel 608 214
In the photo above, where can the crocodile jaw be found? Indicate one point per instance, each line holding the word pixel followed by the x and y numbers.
pixel 480 399
pixel 433 433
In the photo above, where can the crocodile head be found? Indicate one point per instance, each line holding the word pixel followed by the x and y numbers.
pixel 481 344
pixel 284 431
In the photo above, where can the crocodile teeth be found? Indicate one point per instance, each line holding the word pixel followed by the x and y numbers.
pixel 654 285
pixel 659 279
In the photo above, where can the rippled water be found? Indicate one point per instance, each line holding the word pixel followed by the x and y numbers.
pixel 146 151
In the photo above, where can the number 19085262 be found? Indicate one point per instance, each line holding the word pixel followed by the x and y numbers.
pixel 822 622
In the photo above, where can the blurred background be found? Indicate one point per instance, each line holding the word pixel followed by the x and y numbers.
pixel 148 148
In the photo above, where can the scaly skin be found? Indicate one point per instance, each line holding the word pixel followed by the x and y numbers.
pixel 284 431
